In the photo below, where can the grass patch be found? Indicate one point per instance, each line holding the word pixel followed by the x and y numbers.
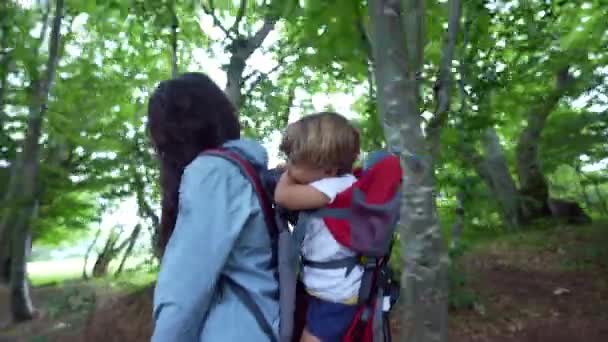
pixel 551 246
pixel 44 273
pixel 461 297
pixel 55 272
pixel 129 281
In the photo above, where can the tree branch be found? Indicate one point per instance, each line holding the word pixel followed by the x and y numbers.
pixel 129 248
pixel 241 49
pixel 462 92
pixel 239 17
pixel 4 70
pixel 257 39
pixel 124 243
pixel 144 208
pixel 54 43
pixel 444 82
pixel 174 28
pixel 45 25
pixel 87 254
pixel 538 113
pixel 262 76
pixel 31 63
pixel 365 38
pixel 284 120
pixel 210 10
pixel 370 81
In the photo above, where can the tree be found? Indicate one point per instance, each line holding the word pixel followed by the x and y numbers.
pixel 536 69
pixel 23 184
pixel 398 68
pixel 241 44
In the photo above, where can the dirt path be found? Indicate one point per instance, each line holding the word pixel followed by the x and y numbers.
pixel 5 316
pixel 557 292
pixel 523 306
pixel 524 294
pixel 520 306
pixel 64 309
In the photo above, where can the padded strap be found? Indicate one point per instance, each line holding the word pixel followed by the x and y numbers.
pixel 349 263
pixel 337 213
pixel 266 205
pixel 253 176
pixel 252 306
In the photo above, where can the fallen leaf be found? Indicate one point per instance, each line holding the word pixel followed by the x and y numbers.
pixel 560 291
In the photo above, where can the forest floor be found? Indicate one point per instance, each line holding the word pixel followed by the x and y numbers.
pixel 546 285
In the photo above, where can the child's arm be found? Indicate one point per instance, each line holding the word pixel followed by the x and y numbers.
pixel 294 196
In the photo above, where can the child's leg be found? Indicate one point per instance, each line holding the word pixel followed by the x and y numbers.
pixel 327 321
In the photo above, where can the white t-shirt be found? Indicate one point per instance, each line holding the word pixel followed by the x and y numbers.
pixel 319 245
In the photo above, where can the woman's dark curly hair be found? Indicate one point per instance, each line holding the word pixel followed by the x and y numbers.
pixel 186 115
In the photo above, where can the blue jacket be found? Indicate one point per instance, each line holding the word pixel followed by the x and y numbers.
pixel 220 231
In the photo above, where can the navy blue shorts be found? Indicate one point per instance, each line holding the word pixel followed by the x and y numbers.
pixel 328 321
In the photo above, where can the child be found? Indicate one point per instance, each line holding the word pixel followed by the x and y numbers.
pixel 321 150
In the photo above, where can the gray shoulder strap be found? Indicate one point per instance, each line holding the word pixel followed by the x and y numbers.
pixel 299 230
pixel 252 306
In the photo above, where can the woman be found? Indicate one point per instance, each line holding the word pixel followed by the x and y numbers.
pixel 212 226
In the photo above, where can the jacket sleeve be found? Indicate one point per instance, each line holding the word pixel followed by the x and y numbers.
pixel 215 203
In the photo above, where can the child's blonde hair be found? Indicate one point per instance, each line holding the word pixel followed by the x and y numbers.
pixel 322 140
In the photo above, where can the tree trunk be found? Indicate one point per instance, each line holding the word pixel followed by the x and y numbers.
pixel 6 260
pixel 10 205
pixel 494 170
pixel 108 253
pixel 146 211
pixel 585 195
pixel 241 46
pixel 397 70
pixel 459 222
pixel 533 186
pixel 27 170
pixel 100 269
pixel 87 254
pixel 131 243
pixel 492 167
pixel 443 86
pixel 234 79
pixel 21 303
pixel 5 256
pixel 240 50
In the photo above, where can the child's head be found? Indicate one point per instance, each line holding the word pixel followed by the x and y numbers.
pixel 320 145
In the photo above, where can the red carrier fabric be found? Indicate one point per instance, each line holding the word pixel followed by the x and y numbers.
pixel 362 217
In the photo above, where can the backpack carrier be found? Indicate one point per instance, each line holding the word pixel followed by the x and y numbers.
pixel 362 218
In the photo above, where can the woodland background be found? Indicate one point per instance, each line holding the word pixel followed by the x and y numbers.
pixel 498 109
